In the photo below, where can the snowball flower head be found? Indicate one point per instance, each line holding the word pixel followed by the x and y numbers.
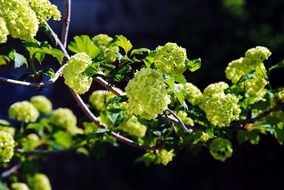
pixel 23 111
pixel 42 104
pixel 7 145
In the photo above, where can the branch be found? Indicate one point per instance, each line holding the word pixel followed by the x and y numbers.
pixel 10 171
pixel 33 84
pixel 66 22
pixel 178 120
pixel 42 151
pixel 94 119
pixel 242 123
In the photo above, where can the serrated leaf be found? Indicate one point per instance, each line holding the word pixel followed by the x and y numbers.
pixel 84 43
pixel 193 65
pixel 122 42
pixel 4 59
pixel 139 51
pixel 93 69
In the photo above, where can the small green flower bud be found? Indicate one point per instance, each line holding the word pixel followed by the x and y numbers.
pixel 221 149
pixel 164 156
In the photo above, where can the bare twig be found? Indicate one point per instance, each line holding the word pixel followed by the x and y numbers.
pixel 66 22
pixel 10 171
pixel 42 151
pixel 109 87
pixel 178 120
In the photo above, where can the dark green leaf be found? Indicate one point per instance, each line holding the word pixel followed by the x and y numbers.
pixel 248 136
pixel 84 43
pixel 193 65
pixel 49 72
pixel 277 66
pixel 64 139
pixel 279 133
pixel 93 69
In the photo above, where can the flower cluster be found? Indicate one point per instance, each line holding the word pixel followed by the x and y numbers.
pixel 22 17
pixel 73 73
pixel 39 182
pixel 164 156
pixel 42 104
pixel 109 53
pixel 147 93
pixel 30 142
pixel 7 145
pixel 23 111
pixel 63 117
pixel 133 127
pixel 3 31
pixel 220 108
pixel 45 10
pixel 221 149
pixel 170 59
pixel 253 61
pixel 19 186
pixel 99 98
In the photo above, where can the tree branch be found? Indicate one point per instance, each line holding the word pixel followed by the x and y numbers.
pixel 10 171
pixel 178 120
pixel 66 22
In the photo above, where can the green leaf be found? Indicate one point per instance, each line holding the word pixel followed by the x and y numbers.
pixel 62 138
pixel 148 158
pixel 121 73
pixel 122 42
pixel 193 65
pixel 277 66
pixel 3 186
pixel 84 43
pixel 248 136
pixel 18 59
pixel 139 51
pixel 4 60
pixel 4 122
pixel 279 133
pixel 48 72
pixel 93 69
pixel 180 78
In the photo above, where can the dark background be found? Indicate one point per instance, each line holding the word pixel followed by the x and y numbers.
pixel 215 31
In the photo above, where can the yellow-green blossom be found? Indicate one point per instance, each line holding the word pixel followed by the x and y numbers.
pixel 133 127
pixel 73 73
pixel 45 10
pixel 39 182
pixel 3 30
pixel 99 98
pixel 30 142
pixel 147 93
pixel 20 19
pixel 23 111
pixel 164 156
pixel 7 145
pixel 19 186
pixel 170 59
pixel 42 104
pixel 63 117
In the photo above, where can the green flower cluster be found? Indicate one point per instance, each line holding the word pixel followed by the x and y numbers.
pixel 39 182
pixel 19 186
pixel 73 73
pixel 133 127
pixel 23 111
pixel 192 93
pixel 220 108
pixel 183 116
pixel 42 104
pixel 45 10
pixel 253 61
pixel 147 93
pixel 164 156
pixel 22 17
pixel 221 149
pixel 64 118
pixel 4 32
pixel 30 142
pixel 99 98
pixel 109 53
pixel 170 59
pixel 7 145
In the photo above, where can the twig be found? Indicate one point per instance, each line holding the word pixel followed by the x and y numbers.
pixel 179 121
pixel 33 84
pixel 66 22
pixel 42 151
pixel 109 87
pixel 10 171
pixel 260 116
pixel 94 119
